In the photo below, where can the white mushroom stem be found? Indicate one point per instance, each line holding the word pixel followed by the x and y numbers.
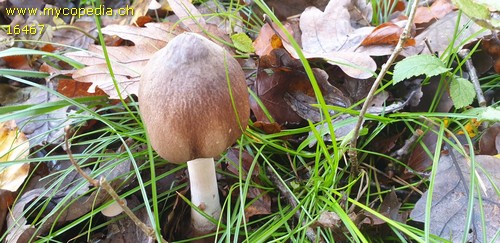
pixel 204 193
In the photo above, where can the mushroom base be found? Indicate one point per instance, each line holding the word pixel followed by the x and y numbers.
pixel 204 194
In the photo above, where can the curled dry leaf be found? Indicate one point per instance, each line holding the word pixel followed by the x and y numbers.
pixel 13 146
pixel 386 34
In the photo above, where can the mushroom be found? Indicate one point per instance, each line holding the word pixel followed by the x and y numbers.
pixel 194 104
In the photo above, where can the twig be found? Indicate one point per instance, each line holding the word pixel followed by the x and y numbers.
pixel 107 187
pixel 464 53
pixel 403 151
pixel 353 154
pixel 68 132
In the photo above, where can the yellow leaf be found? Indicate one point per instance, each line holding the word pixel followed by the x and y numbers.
pixel 13 146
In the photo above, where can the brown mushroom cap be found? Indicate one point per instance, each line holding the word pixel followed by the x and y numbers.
pixel 185 103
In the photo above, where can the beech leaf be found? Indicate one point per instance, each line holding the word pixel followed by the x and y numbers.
pixel 418 65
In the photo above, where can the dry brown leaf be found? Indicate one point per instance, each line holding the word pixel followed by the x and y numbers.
pixel 268 39
pixel 45 128
pixel 13 146
pixel 74 38
pixel 127 61
pixel 386 34
pixel 17 62
pixel 6 200
pixel 489 144
pixel 286 8
pixel 361 13
pixel 437 10
pixel 389 208
pixel 71 88
pixel 140 9
pixel 267 127
pixel 300 96
pixel 451 194
pixel 329 35
pixel 439 34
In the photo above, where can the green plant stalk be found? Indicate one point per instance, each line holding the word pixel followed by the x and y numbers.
pixel 435 163
pixel 474 177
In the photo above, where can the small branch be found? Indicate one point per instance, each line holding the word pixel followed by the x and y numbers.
pixel 107 187
pixel 464 53
pixel 353 154
pixel 146 229
pixel 68 133
pixel 403 151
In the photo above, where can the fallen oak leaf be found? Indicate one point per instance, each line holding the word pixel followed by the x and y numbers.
pixel 334 42
pixel 127 62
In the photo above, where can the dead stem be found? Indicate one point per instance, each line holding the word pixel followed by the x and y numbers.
pixel 464 54
pixel 107 187
pixel 353 153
